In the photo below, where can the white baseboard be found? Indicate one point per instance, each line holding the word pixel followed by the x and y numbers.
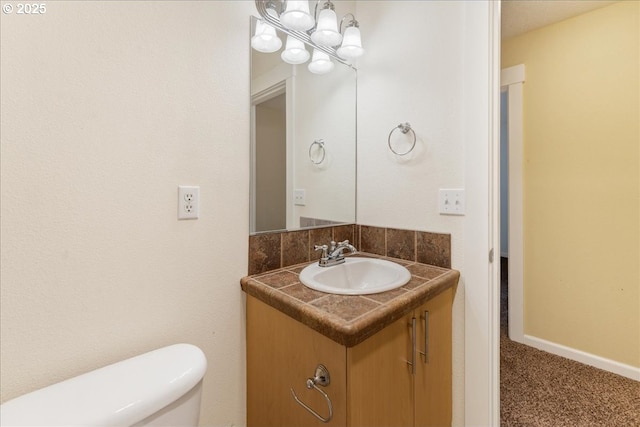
pixel 627 371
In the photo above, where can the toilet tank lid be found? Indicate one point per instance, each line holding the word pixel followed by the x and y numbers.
pixel 119 394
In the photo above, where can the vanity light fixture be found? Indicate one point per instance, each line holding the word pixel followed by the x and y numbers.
pixel 296 16
pixel 265 38
pixel 320 63
pixel 326 32
pixel 295 52
pixel 351 47
pixel 319 31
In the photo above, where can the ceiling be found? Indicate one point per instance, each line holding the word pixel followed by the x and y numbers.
pixel 520 16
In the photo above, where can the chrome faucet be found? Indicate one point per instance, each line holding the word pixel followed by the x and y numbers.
pixel 333 254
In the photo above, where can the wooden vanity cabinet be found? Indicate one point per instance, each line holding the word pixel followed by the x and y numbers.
pixel 281 354
pixel 371 383
pixel 384 390
pixel 433 385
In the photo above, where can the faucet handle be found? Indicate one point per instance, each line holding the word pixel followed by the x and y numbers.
pixel 323 248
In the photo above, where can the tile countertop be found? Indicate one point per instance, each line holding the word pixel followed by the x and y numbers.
pixel 347 319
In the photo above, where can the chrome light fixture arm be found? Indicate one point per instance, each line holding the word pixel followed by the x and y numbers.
pixel 263 5
pixel 353 22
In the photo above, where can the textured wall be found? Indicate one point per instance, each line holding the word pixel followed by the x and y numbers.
pixel 414 76
pixel 106 108
pixel 581 181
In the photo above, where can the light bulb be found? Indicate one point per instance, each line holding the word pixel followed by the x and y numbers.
pixel 297 16
pixel 294 52
pixel 320 63
pixel 351 44
pixel 265 39
pixel 326 33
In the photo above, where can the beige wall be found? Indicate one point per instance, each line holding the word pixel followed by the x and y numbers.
pixel 398 83
pixel 106 108
pixel 581 181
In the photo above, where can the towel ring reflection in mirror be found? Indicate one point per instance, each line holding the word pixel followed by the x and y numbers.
pixel 404 128
pixel 317 152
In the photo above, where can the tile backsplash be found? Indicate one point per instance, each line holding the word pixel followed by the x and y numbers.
pixel 270 251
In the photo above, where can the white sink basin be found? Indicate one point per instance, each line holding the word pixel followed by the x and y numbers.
pixel 357 276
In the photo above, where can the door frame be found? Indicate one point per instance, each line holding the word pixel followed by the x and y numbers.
pixel 481 278
pixel 512 81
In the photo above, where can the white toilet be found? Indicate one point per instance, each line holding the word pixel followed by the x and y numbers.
pixel 159 388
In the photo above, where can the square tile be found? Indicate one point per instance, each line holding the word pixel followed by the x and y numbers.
pixel 264 252
pixel 345 307
pixel 401 244
pixel 372 240
pixel 294 247
pixel 434 249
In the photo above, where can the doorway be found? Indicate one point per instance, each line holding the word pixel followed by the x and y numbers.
pixel 270 164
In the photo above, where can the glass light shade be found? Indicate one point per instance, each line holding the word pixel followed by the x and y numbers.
pixel 265 39
pixel 351 44
pixel 295 52
pixel 320 63
pixel 297 17
pixel 326 33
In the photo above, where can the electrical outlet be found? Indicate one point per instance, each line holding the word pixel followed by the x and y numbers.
pixel 451 202
pixel 299 197
pixel 188 202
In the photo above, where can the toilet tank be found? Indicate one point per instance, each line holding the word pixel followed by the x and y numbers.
pixel 161 387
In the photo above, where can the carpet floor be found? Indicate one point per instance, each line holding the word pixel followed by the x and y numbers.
pixel 544 390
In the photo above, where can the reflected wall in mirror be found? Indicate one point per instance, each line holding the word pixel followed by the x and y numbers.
pixel 296 183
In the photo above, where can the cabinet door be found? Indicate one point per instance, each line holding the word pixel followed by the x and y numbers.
pixel 282 353
pixel 380 384
pixel 434 371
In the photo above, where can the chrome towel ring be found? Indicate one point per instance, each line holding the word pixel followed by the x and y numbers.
pixel 320 152
pixel 404 128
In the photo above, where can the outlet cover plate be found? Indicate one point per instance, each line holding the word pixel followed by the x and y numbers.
pixel 188 201
pixel 299 197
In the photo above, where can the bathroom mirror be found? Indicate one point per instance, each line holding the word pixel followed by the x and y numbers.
pixel 303 143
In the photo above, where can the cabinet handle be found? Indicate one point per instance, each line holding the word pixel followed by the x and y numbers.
pixel 413 347
pixel 425 353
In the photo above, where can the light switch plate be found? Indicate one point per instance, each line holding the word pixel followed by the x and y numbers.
pixel 451 202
